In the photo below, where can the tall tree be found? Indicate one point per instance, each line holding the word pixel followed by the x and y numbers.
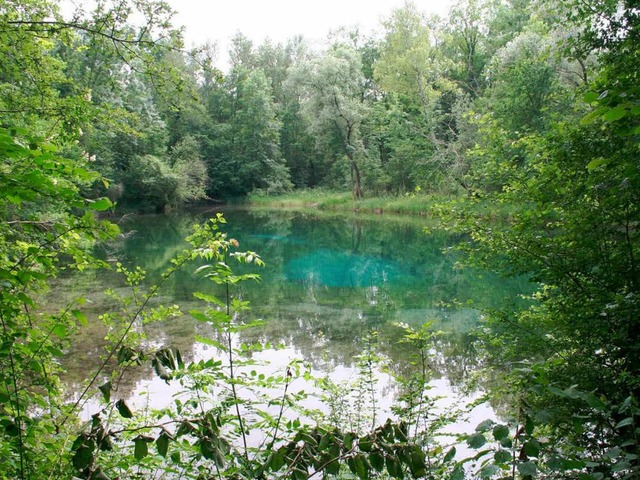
pixel 465 44
pixel 407 64
pixel 331 89
pixel 257 158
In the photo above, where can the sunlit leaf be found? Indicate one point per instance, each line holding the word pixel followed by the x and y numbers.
pixel 100 205
pixel 590 97
pixel 615 114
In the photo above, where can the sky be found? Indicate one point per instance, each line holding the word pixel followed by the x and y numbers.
pixel 279 20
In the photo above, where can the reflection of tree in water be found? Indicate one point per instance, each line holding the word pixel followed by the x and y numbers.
pixel 325 324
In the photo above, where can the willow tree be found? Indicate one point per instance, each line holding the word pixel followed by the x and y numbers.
pixel 331 92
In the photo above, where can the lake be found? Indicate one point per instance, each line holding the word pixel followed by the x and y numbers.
pixel 328 282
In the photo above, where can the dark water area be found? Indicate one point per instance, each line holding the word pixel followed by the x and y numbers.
pixel 329 280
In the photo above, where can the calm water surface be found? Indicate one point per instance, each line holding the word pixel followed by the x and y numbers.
pixel 329 280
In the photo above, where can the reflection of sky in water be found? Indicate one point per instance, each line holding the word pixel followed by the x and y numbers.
pixel 155 393
pixel 325 285
pixel 333 268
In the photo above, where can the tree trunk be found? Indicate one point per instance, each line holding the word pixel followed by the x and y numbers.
pixel 357 183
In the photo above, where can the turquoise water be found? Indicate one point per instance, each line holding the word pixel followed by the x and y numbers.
pixel 328 281
pixel 335 268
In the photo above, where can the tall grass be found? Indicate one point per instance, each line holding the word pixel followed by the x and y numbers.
pixel 415 204
pixel 329 200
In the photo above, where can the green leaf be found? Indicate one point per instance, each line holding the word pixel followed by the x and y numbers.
pixel 615 114
pixel 365 444
pixel 210 342
pixel 502 456
pixel 394 467
pixel 362 469
pixel 450 455
pixel 358 467
pixel 625 422
pixel 332 466
pixel 141 448
pixel 598 162
pixel 106 391
pixel 531 448
pixel 80 316
pixel 476 440
pixel 377 460
pixel 83 456
pixel 162 443
pixel 527 468
pixel 590 97
pixel 529 426
pixel 500 432
pixel 485 426
pixel 123 409
pixel 593 116
pixel 417 462
pixel 276 462
pixel 348 440
pixel 458 473
pixel 489 471
pixel 100 205
pixel 60 331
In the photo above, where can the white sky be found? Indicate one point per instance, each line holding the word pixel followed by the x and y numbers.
pixel 279 20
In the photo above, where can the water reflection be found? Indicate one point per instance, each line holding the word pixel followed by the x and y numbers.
pixel 328 281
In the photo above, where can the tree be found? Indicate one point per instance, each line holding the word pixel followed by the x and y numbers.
pixel 465 44
pixel 331 91
pixel 257 157
pixel 524 78
pixel 407 63
pixel 574 187
pixel 47 223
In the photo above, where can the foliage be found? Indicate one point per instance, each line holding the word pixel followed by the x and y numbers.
pixel 231 414
pixel 529 110
pixel 47 228
pixel 575 235
pixel 332 87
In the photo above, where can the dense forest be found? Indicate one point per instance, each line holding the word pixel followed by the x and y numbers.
pixel 522 116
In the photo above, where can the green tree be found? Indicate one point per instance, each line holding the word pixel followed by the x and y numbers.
pixel 47 224
pixel 407 64
pixel 257 157
pixel 331 88
pixel 574 188
pixel 465 44
pixel 525 81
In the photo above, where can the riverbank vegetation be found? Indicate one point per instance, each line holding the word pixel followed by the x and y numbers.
pixel 528 106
